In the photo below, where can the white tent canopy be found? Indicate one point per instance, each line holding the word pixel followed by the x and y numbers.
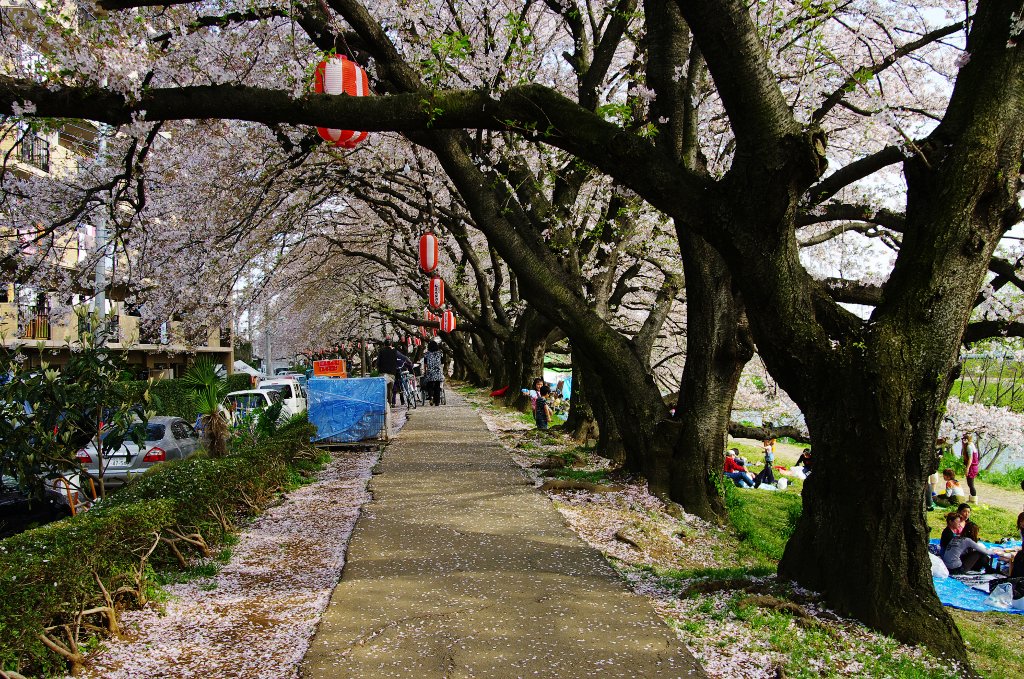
pixel 243 367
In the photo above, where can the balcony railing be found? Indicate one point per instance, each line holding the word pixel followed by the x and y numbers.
pixel 37 326
pixel 34 150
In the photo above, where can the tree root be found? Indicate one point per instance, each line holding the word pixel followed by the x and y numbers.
pixel 255 507
pixel 138 590
pixel 221 517
pixel 569 484
pixel 11 674
pixel 719 585
pixel 619 535
pixel 800 615
pixel 69 652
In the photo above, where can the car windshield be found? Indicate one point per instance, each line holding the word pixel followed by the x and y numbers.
pixel 247 401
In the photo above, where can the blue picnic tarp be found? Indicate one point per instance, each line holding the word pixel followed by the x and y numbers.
pixel 956 594
pixel 346 410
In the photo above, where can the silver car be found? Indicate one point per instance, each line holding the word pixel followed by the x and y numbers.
pixel 167 438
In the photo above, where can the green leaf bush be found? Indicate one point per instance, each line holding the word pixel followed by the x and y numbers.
pixel 48 575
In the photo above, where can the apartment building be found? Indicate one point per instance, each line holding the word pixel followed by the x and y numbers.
pixel 43 322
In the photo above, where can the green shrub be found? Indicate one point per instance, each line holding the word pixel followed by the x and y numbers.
pixel 1011 478
pixel 169 397
pixel 239 382
pixel 47 574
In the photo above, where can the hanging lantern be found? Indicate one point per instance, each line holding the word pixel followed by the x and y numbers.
pixel 435 293
pixel 338 75
pixel 448 321
pixel 428 252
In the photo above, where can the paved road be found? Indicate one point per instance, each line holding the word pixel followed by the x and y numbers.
pixel 458 568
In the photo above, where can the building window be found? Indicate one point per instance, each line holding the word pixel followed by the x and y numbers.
pixel 34 150
pixel 5 292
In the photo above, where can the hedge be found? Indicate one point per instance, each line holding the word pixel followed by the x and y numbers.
pixel 239 382
pixel 48 574
pixel 173 396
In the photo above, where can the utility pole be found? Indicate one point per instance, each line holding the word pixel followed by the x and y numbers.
pixel 267 356
pixel 100 299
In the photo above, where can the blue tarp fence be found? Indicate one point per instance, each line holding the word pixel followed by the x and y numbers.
pixel 348 410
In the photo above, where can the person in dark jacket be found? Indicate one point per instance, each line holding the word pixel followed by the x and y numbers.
pixel 389 361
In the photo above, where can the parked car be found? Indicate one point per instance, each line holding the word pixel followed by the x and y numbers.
pixel 291 391
pixel 19 511
pixel 167 438
pixel 245 403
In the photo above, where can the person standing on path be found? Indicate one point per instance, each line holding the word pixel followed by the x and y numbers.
pixel 433 375
pixel 387 366
pixel 969 451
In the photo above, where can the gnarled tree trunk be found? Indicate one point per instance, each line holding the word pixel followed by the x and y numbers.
pixel 718 345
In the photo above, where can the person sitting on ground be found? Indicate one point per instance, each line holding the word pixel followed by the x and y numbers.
pixel 1017 566
pixel 1020 520
pixel 971 529
pixel 806 461
pixel 766 475
pixel 737 472
pixel 951 531
pixel 962 554
pixel 541 409
pixel 954 494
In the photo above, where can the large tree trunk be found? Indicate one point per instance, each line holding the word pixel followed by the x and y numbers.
pixel 718 345
pixel 862 539
pixel 524 356
pixel 607 411
pixel 468 365
pixel 580 422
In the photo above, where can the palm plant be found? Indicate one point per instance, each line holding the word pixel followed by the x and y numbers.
pixel 210 390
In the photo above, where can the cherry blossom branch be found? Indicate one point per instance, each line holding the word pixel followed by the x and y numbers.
pixel 535 111
pixel 867 72
pixel 857 170
pixel 845 211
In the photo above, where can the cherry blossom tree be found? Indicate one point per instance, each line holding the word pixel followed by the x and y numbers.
pixel 738 162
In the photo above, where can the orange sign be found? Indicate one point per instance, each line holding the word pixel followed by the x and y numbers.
pixel 332 368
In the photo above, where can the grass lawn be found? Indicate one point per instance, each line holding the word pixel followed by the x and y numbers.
pixel 995 641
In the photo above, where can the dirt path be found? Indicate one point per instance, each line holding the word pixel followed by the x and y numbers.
pixel 256 616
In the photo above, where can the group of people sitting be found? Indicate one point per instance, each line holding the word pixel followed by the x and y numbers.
pixel 961 550
pixel 736 466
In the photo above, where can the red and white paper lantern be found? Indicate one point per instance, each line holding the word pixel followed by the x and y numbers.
pixel 428 252
pixel 448 321
pixel 338 75
pixel 435 292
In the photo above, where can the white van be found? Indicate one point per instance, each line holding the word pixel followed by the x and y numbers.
pixel 291 391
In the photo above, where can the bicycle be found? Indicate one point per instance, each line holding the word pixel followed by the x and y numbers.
pixel 408 393
pixel 414 388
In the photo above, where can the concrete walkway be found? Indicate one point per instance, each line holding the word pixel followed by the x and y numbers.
pixel 459 568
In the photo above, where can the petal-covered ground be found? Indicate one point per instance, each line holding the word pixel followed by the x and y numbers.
pixel 255 617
